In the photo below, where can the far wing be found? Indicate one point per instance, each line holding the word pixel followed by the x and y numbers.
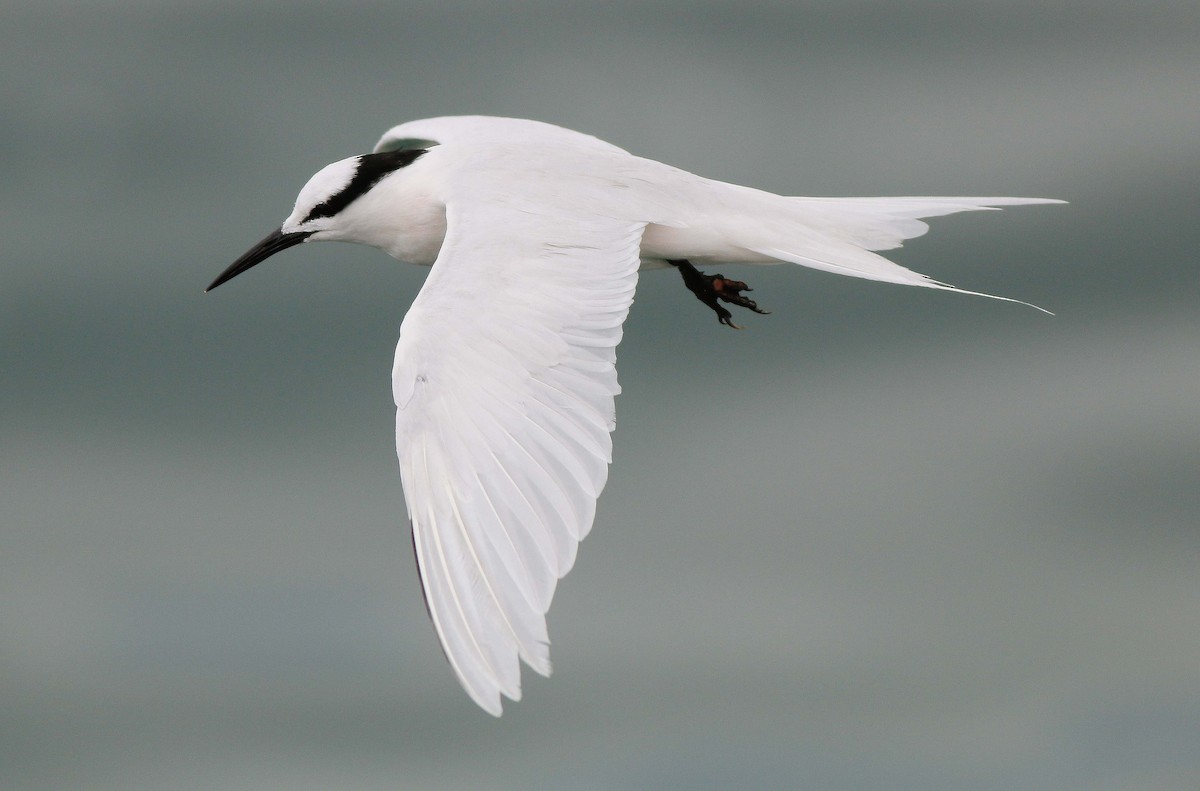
pixel 504 384
pixel 480 129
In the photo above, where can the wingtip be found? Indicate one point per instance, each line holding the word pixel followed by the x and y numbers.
pixel 489 701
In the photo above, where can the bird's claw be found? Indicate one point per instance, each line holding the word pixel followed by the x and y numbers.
pixel 714 289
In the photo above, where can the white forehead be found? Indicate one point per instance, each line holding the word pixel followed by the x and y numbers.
pixel 328 181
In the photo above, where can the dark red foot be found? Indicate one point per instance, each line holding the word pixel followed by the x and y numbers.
pixel 714 289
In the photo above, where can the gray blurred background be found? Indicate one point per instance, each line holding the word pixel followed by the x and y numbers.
pixel 885 538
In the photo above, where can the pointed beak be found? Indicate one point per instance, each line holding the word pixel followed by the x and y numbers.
pixel 276 241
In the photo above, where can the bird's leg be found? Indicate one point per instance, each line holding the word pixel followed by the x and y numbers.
pixel 711 288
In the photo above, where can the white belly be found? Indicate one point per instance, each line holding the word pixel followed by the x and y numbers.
pixel 700 245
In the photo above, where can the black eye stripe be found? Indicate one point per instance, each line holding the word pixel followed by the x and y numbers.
pixel 371 168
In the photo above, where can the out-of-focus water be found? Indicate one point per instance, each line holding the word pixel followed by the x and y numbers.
pixel 883 539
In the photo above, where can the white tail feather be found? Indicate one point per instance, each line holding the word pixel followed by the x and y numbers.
pixel 839 234
pixel 884 223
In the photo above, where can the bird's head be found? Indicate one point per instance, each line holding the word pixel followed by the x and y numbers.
pixel 335 205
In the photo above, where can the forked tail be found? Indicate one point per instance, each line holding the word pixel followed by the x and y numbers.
pixel 839 235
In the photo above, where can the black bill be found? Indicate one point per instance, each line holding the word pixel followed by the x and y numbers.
pixel 276 241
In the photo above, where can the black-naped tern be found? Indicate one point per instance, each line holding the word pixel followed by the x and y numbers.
pixel 505 376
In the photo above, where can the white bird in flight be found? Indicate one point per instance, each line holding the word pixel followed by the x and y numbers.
pixel 505 376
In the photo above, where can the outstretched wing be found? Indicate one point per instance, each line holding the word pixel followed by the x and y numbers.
pixel 504 384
